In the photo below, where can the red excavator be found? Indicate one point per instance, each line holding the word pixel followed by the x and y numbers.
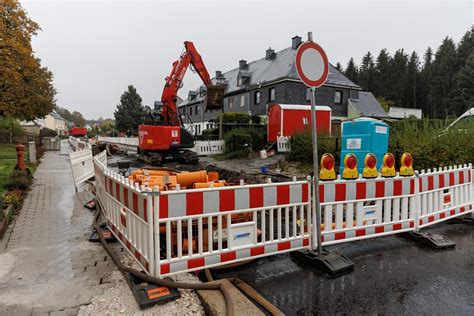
pixel 163 136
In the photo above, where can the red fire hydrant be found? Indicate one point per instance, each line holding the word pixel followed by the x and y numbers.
pixel 20 155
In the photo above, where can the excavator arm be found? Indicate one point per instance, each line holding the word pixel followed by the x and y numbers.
pixel 174 83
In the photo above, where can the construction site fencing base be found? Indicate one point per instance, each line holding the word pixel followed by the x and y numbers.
pixel 178 231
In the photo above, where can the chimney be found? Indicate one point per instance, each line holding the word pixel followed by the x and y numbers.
pixel 218 74
pixel 295 42
pixel 242 64
pixel 270 54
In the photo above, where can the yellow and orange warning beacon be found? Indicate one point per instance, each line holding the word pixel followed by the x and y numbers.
pixel 327 168
pixel 350 167
pixel 370 166
pixel 388 166
pixel 406 162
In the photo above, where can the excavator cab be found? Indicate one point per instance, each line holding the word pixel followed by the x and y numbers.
pixel 214 98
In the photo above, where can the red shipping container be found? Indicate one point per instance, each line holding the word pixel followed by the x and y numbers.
pixel 79 131
pixel 287 119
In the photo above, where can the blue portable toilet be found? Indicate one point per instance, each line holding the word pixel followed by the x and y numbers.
pixel 362 136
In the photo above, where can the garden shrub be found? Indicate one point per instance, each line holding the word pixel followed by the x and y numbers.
pixel 237 140
pixel 302 147
pixel 235 117
pixel 47 132
pixel 19 180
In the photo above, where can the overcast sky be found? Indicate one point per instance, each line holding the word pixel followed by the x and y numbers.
pixel 96 49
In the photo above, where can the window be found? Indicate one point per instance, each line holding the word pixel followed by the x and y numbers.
pixel 231 103
pixel 305 121
pixel 196 110
pixel 239 81
pixel 242 100
pixel 257 97
pixel 308 94
pixel 338 97
pixel 271 94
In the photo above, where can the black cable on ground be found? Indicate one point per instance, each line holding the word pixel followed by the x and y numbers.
pixel 161 282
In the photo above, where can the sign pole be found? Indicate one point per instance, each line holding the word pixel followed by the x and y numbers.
pixel 316 207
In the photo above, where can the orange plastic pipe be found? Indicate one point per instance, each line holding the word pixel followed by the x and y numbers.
pixel 189 178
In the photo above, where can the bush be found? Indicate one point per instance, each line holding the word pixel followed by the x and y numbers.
pixel 234 117
pixel 302 147
pixel 47 132
pixel 13 199
pixel 19 180
pixel 257 138
pixel 237 140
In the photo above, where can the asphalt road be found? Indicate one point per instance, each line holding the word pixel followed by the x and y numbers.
pixel 392 276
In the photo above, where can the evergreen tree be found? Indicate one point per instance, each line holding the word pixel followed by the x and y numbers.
pixel 464 91
pixel 339 67
pixel 130 112
pixel 425 83
pixel 412 79
pixel 398 76
pixel 444 70
pixel 367 72
pixel 351 71
pixel 382 74
pixel 465 47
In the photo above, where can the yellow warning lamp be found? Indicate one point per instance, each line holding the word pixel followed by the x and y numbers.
pixel 407 165
pixel 350 167
pixel 388 165
pixel 370 166
pixel 327 168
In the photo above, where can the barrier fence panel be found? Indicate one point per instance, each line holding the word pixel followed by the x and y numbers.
pixel 444 194
pixel 185 230
pixel 65 147
pixel 366 208
pixel 82 166
pixel 129 214
pixel 209 227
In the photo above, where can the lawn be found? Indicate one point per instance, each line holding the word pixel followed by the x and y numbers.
pixel 8 151
pixel 6 167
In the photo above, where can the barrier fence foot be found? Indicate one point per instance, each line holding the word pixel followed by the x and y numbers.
pixel 332 262
pixel 462 220
pixel 90 205
pixel 436 241
pixel 148 295
pixel 106 233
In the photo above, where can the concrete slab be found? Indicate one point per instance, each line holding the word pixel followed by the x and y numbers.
pixel 214 304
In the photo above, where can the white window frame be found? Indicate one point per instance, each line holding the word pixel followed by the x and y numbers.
pixel 271 97
pixel 242 100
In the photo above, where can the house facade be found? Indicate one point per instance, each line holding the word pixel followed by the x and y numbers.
pixel 253 86
pixel 55 122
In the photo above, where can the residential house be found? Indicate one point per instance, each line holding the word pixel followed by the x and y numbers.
pixel 253 86
pixel 55 122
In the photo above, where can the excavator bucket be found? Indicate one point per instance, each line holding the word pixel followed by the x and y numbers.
pixel 215 97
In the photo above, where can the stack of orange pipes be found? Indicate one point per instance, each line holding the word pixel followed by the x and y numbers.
pixel 167 180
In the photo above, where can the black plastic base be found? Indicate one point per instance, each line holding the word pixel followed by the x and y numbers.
pixel 148 295
pixel 462 220
pixel 332 262
pixel 90 205
pixel 106 233
pixel 436 241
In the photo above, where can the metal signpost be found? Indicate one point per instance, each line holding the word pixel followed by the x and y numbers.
pixel 312 66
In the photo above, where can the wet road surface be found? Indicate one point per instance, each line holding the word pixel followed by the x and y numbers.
pixel 392 275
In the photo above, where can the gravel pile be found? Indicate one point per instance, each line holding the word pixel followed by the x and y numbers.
pixel 118 299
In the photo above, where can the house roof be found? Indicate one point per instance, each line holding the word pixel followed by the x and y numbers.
pixel 367 105
pixel 264 71
pixel 57 116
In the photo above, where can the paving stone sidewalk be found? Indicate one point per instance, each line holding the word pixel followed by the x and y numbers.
pixel 47 265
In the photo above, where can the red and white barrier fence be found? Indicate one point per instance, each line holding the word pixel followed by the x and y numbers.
pixel 185 230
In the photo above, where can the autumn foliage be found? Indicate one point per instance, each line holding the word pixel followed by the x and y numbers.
pixel 26 89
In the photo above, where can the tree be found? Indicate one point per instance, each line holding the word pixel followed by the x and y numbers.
pixel 464 91
pixel 398 77
pixel 382 74
pixel 411 83
pixel 76 117
pixel 367 72
pixel 26 86
pixel 339 67
pixel 351 71
pixel 107 127
pixel 444 70
pixel 130 112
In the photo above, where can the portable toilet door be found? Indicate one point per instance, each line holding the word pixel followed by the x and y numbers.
pixel 362 136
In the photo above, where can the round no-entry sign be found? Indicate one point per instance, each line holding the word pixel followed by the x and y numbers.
pixel 312 64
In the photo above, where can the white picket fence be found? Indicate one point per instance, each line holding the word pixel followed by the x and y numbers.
pixel 185 230
pixel 283 144
pixel 201 147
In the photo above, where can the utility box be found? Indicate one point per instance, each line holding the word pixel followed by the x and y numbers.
pixel 288 119
pixel 362 136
